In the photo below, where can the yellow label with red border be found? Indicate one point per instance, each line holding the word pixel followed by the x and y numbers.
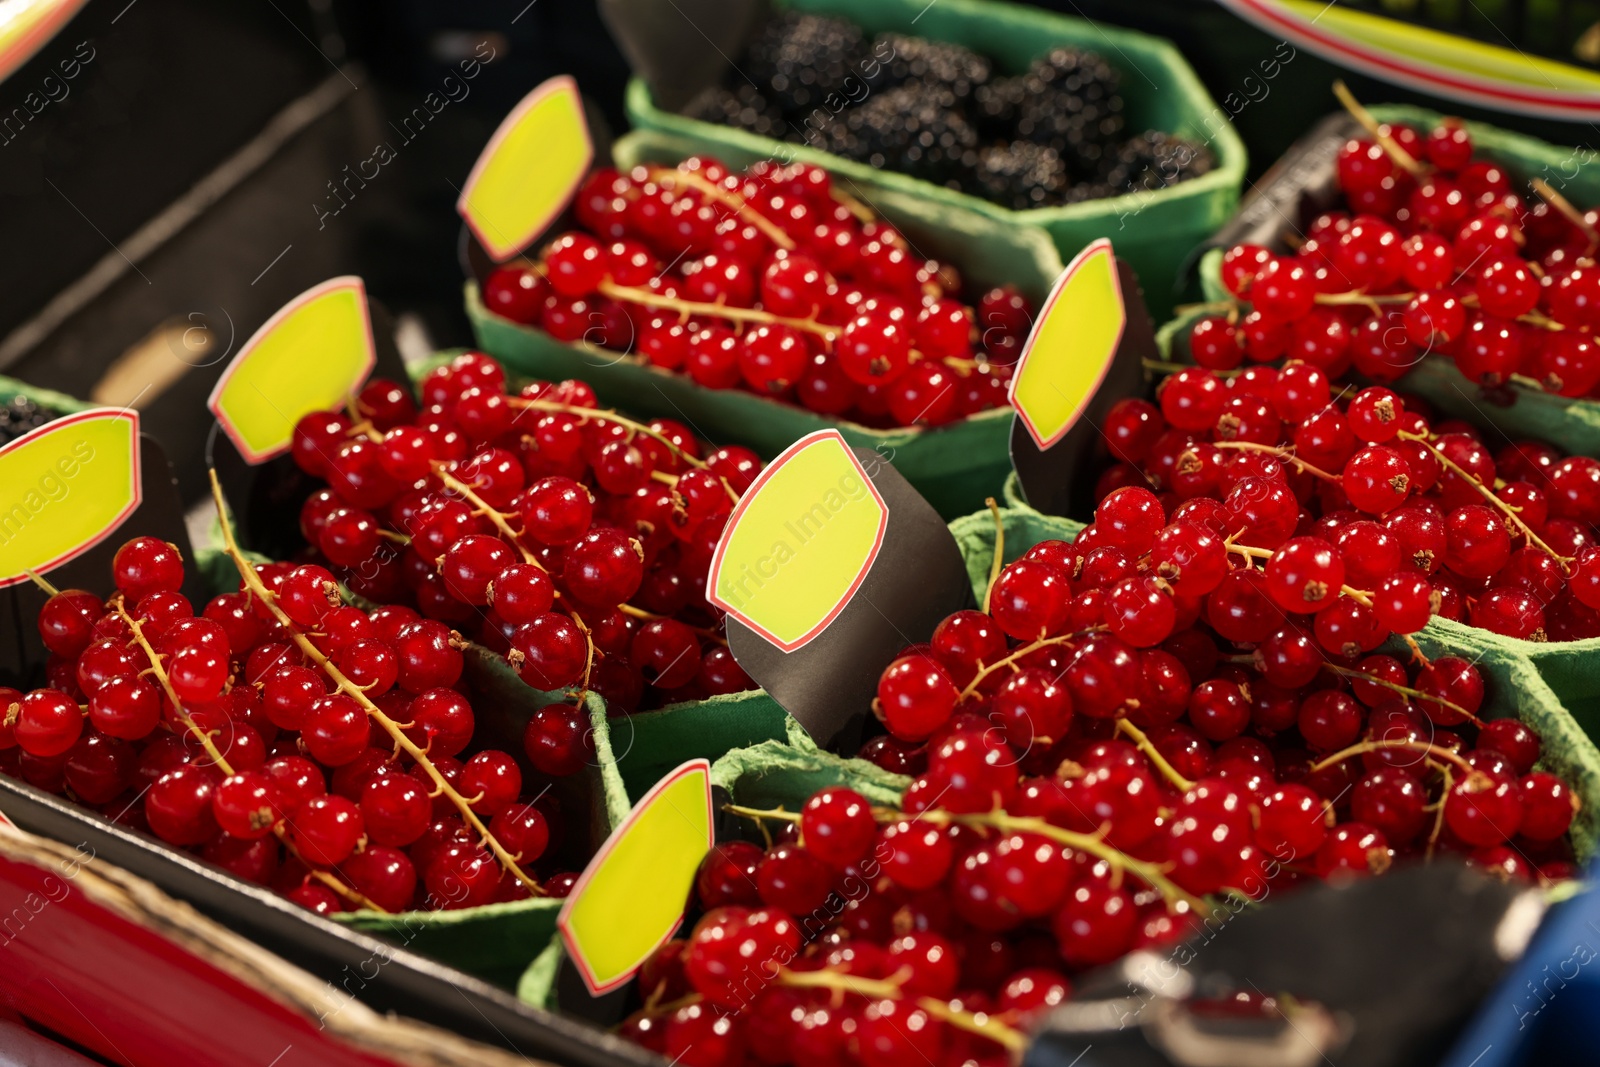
pixel 800 542
pixel 27 26
pixel 64 488
pixel 310 356
pixel 529 170
pixel 631 898
pixel 1071 346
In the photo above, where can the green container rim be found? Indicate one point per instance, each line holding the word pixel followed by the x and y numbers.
pixel 1052 29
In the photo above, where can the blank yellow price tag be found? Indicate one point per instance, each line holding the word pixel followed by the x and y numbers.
pixel 310 356
pixel 800 542
pixel 529 170
pixel 27 26
pixel 1071 345
pixel 632 896
pixel 64 488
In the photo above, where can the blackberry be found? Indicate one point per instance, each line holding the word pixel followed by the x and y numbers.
pixel 1154 160
pixel 995 106
pixel 1084 191
pixel 798 59
pixel 1020 176
pixel 19 416
pixel 915 129
pixel 914 59
pixel 1070 103
pixel 743 108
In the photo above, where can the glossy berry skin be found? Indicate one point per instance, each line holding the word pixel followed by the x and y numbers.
pixel 395 809
pixel 915 697
pixel 66 621
pixel 325 829
pixel 1029 601
pixel 179 806
pixel 837 825
pixel 558 741
pixel 1484 810
pixel 917 855
pixel 524 832
pixel 147 565
pixel 48 723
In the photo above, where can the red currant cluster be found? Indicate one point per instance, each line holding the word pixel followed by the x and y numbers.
pixel 939 931
pixel 1437 253
pixel 773 281
pixel 534 521
pixel 290 739
pixel 1421 517
pixel 1258 710
pixel 849 940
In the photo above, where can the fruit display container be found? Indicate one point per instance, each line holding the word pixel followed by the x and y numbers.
pixel 784 772
pixel 955 466
pixel 1299 186
pixel 1565 671
pixel 1152 230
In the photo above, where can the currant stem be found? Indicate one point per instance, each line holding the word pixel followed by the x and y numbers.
pixel 1365 299
pixel 1148 747
pixel 646 298
pixel 862 212
pixel 1168 367
pixel 494 515
pixel 1426 748
pixel 667 177
pixel 586 414
pixel 1367 119
pixel 885 989
pixel 999 551
pixel 279 830
pixel 1283 453
pixel 1011 660
pixel 259 590
pixel 1405 690
pixel 499 519
pixel 1556 200
pixel 1360 596
pixel 160 671
pixel 1148 873
pixel 35 578
pixel 1505 509
pixel 1438 815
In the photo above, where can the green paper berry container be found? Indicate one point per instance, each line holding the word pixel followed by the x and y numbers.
pixel 775 773
pixel 49 399
pixel 495 942
pixel 785 772
pixel 1571 424
pixel 1153 230
pixel 1554 688
pixel 1560 675
pixel 955 466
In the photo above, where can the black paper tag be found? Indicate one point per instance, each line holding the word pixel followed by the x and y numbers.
pixel 1059 478
pixel 680 47
pixel 830 565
